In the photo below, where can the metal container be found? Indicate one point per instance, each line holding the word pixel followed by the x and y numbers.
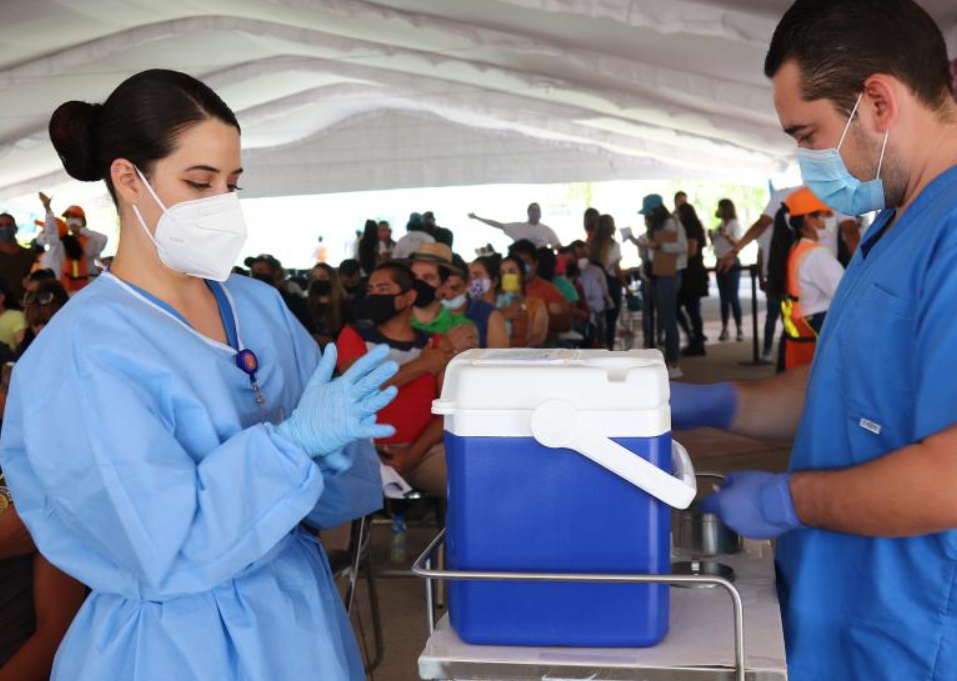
pixel 700 533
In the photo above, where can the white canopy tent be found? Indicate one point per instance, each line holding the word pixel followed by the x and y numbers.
pixel 348 95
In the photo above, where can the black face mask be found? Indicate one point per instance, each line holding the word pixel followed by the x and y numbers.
pixel 352 290
pixel 425 294
pixel 320 288
pixel 265 278
pixel 381 308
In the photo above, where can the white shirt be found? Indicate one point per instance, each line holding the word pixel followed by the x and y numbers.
pixel 55 253
pixel 819 274
pixel 764 245
pixel 540 235
pixel 678 248
pixel 409 244
pixel 612 258
pixel 777 199
pixel 723 245
pixel 595 287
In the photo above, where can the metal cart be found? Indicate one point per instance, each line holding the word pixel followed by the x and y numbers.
pixel 698 647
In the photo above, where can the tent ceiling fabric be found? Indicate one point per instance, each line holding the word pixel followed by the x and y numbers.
pixel 342 95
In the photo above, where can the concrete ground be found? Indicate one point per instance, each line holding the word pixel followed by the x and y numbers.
pixel 402 601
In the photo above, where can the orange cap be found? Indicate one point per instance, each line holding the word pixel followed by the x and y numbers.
pixel 61 227
pixel 74 211
pixel 804 202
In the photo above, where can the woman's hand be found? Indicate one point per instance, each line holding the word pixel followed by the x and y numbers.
pixel 513 311
pixel 334 412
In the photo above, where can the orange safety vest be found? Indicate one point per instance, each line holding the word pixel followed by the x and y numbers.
pixel 76 273
pixel 801 336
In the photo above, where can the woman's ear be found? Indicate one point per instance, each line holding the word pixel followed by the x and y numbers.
pixel 125 180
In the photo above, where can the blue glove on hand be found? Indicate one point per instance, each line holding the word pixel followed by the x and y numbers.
pixel 703 406
pixel 755 504
pixel 333 413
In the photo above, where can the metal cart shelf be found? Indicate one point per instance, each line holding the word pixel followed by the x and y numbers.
pixel 619 670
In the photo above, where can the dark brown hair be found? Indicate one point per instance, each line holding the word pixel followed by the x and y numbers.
pixel 139 121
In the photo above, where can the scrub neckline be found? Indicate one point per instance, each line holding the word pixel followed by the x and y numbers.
pixel 224 303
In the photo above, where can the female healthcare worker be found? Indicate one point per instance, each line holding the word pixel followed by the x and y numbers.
pixel 196 426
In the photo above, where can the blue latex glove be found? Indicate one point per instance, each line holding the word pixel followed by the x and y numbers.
pixel 703 406
pixel 333 413
pixel 755 504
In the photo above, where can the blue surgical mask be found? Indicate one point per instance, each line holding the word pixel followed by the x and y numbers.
pixel 8 233
pixel 826 175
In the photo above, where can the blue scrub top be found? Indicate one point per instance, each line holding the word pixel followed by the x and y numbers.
pixel 884 377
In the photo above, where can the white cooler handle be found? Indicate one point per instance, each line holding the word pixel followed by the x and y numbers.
pixel 558 424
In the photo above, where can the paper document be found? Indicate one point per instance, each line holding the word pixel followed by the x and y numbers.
pixel 394 485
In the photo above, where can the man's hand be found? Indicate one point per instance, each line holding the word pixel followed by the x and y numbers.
pixel 403 458
pixel 45 200
pixel 755 504
pixel 463 337
pixel 435 359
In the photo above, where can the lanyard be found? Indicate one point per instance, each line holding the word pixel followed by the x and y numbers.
pixel 246 360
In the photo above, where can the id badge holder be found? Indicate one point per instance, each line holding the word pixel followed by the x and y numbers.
pixel 247 361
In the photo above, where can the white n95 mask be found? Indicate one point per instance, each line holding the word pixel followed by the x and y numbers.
pixel 202 237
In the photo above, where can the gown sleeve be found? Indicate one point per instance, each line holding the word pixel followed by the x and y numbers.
pixel 353 493
pixel 112 497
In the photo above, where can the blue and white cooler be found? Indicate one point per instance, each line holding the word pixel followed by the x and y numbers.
pixel 561 461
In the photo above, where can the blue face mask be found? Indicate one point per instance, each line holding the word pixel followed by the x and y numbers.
pixel 8 233
pixel 826 175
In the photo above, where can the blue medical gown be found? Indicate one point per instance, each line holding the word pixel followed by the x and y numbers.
pixel 884 377
pixel 138 459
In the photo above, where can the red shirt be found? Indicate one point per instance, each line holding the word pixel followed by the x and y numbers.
pixel 411 411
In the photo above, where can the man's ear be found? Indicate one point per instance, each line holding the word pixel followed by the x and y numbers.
pixel 406 299
pixel 881 102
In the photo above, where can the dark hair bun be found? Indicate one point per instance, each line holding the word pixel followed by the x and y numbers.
pixel 73 130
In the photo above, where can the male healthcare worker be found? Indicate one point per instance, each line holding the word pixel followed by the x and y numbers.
pixel 169 430
pixel 867 552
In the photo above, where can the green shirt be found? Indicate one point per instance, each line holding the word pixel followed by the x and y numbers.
pixel 11 323
pixel 443 321
pixel 566 288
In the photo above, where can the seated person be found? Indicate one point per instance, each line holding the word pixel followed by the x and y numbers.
pixel 43 299
pixel 13 323
pixel 581 313
pixel 489 321
pixel 559 310
pixel 268 270
pixel 527 318
pixel 431 266
pixel 350 276
pixel 326 304
pixel 415 451
pixel 37 601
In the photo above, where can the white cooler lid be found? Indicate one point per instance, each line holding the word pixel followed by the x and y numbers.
pixel 492 393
